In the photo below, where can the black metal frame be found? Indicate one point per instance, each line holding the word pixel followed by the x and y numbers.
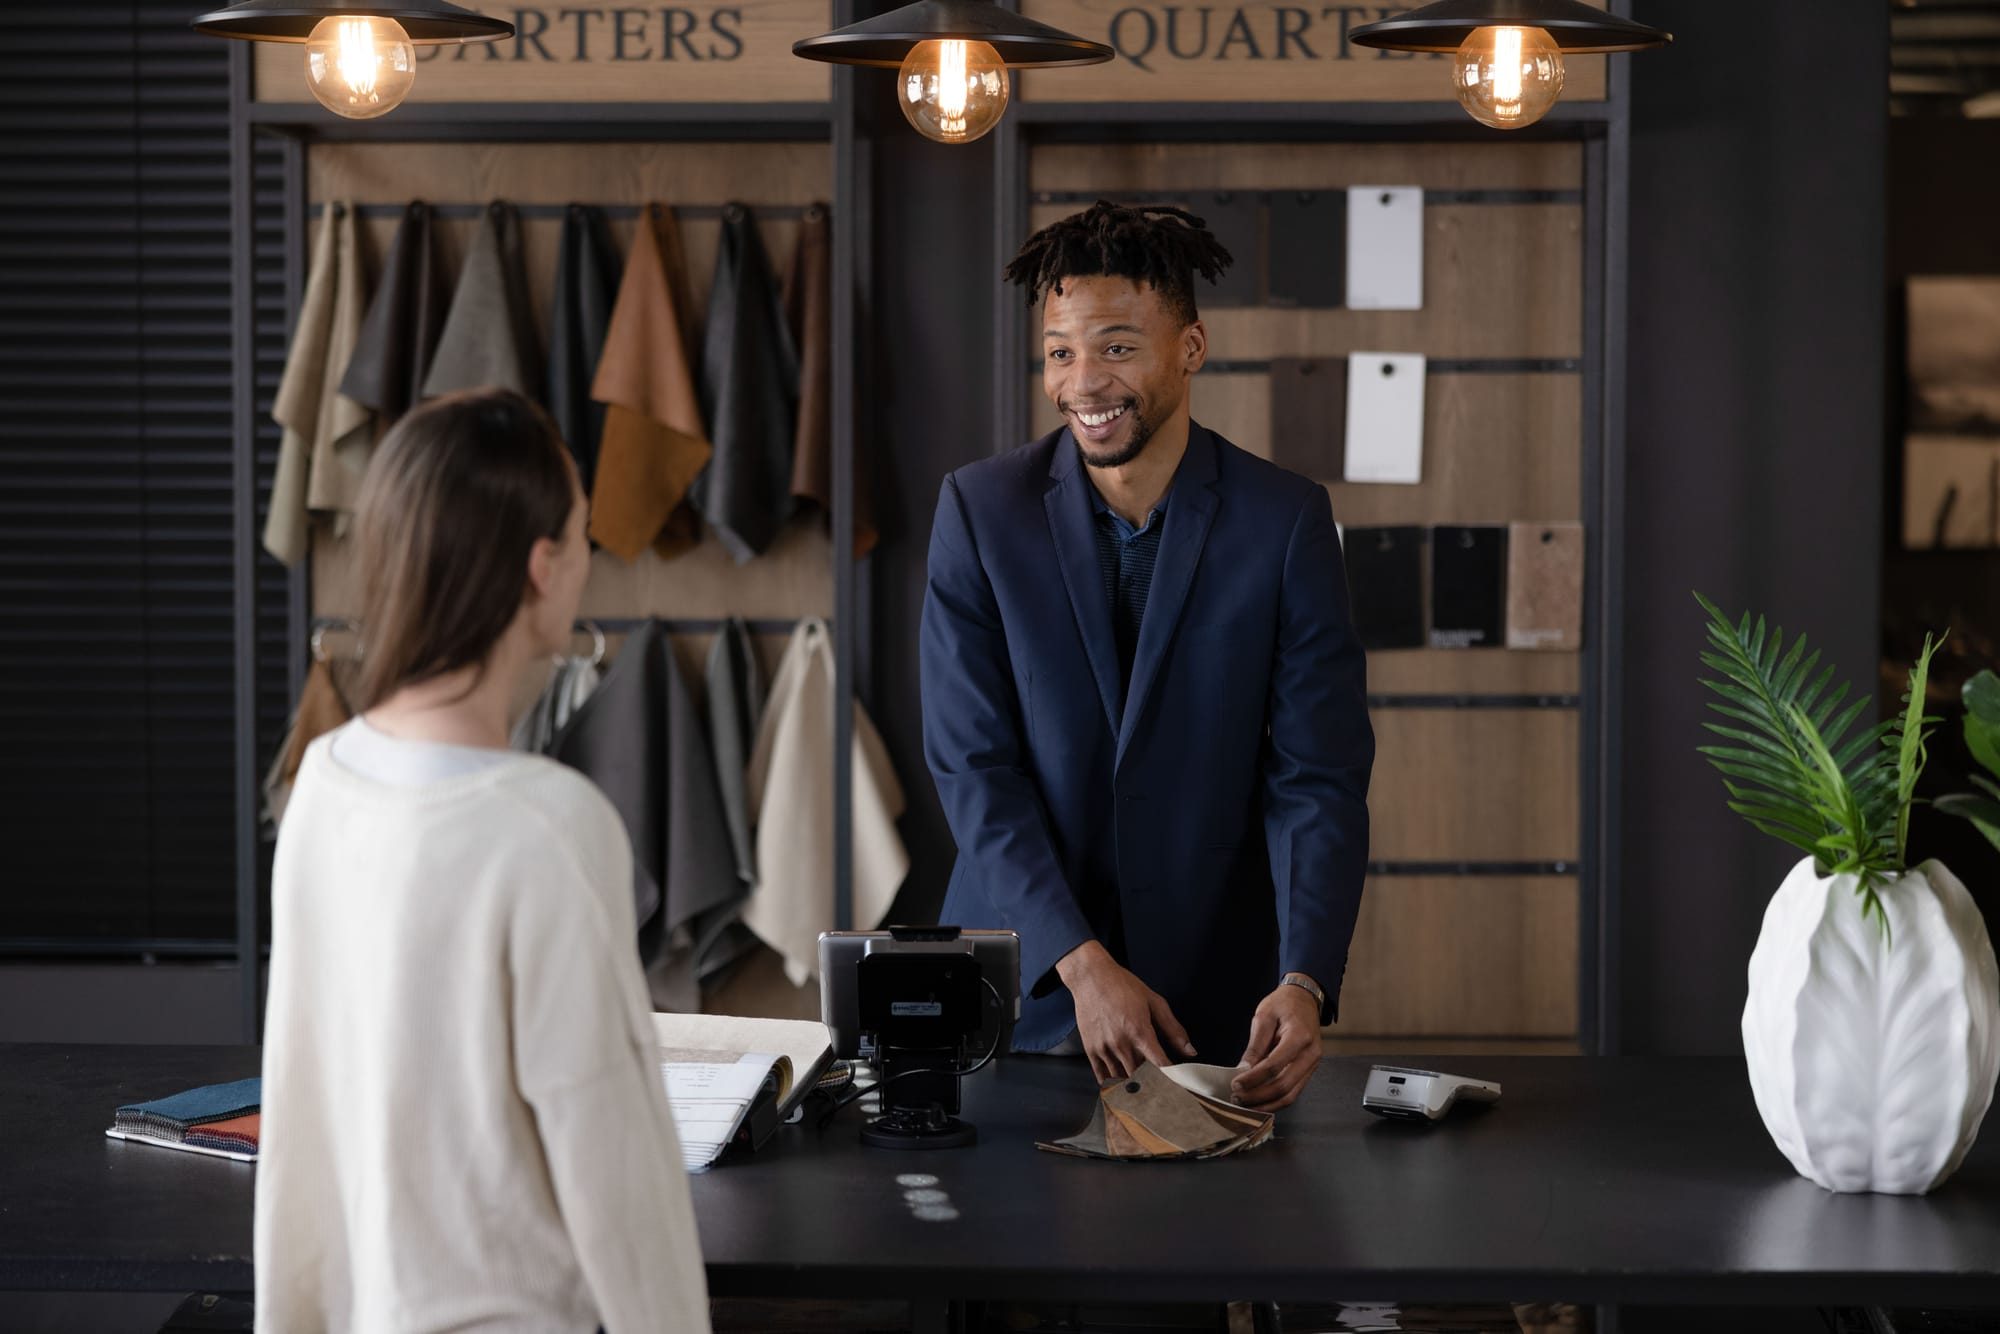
pixel 833 122
pixel 1607 170
pixel 243 409
pixel 884 41
pixel 425 22
pixel 1603 129
pixel 527 122
pixel 1445 25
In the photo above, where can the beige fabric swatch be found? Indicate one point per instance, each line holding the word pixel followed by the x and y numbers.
pixel 327 436
pixel 1165 1114
pixel 791 800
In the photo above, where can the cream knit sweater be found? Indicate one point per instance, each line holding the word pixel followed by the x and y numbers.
pixel 464 1126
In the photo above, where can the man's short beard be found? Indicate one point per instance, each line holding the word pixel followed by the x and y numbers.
pixel 1142 435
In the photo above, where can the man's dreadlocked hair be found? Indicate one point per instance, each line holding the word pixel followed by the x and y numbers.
pixel 1161 247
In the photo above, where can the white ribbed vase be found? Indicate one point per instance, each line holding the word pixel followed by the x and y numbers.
pixel 1873 1061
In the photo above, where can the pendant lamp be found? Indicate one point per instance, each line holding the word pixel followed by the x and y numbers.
pixel 1507 66
pixel 360 58
pixel 952 59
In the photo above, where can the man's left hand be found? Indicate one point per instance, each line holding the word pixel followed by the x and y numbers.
pixel 1284 1050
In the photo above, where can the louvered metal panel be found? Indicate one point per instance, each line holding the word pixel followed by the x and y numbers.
pixel 117 563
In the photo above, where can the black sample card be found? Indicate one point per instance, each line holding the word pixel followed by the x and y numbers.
pixel 1307 255
pixel 1309 415
pixel 1385 584
pixel 1468 586
pixel 1235 216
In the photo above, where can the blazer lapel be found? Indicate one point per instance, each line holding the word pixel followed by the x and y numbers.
pixel 1188 517
pixel 1067 503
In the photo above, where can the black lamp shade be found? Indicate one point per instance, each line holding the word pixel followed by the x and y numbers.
pixel 428 22
pixel 887 39
pixel 1572 25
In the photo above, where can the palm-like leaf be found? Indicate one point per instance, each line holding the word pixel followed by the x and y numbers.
pixel 1839 802
pixel 1782 704
pixel 1799 765
pixel 1906 738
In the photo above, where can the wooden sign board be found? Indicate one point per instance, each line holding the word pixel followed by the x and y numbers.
pixel 695 51
pixel 1256 51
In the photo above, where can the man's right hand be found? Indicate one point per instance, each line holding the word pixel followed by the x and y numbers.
pixel 1121 1021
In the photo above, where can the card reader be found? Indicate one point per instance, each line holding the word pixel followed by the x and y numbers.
pixel 1422 1095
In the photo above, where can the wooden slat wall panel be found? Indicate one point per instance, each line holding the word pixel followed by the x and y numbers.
pixel 1497 785
pixel 1426 671
pixel 1462 957
pixel 1496 447
pixel 795 578
pixel 1500 280
pixel 1472 166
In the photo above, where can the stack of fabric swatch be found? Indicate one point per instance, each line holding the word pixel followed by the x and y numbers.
pixel 218 1119
pixel 1182 1111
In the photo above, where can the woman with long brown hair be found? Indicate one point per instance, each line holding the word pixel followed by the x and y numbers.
pixel 464 1122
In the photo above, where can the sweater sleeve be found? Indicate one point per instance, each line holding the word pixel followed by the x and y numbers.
pixel 624 1199
pixel 586 1066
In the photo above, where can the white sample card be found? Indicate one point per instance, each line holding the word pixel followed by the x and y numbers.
pixel 1385 417
pixel 1385 247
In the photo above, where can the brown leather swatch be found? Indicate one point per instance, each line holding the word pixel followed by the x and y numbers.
pixel 654 444
pixel 1163 1116
pixel 1121 1138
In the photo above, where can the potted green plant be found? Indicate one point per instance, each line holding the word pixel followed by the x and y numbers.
pixel 1872 1026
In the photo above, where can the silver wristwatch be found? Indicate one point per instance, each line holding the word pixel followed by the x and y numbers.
pixel 1306 985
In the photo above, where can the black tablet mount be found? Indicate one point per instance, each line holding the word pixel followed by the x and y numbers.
pixel 921 1014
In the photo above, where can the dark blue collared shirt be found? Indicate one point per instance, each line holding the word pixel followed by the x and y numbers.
pixel 1125 556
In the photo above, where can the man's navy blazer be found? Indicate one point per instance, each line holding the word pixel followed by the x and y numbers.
pixel 1210 824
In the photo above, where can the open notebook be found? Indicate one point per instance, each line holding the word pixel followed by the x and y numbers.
pixel 717 1067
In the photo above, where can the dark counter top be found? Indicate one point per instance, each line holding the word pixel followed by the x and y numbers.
pixel 1594 1180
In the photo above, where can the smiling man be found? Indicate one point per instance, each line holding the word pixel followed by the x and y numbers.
pixel 1144 702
